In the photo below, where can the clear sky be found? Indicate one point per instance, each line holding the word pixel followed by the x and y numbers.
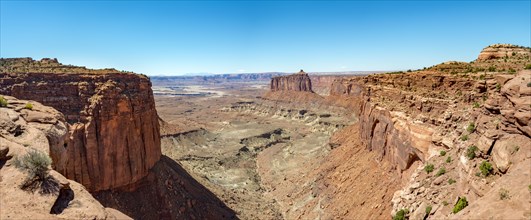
pixel 177 37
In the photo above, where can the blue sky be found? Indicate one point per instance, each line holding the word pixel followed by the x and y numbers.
pixel 177 37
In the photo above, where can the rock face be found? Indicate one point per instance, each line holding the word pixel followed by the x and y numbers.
pixel 433 117
pixel 393 137
pixel 296 82
pixel 114 129
pixel 497 51
pixel 42 129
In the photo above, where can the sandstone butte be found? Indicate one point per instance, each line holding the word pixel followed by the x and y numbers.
pixel 297 82
pixel 113 128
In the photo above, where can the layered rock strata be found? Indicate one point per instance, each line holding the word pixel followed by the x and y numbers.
pixel 497 51
pixel 114 136
pixel 296 82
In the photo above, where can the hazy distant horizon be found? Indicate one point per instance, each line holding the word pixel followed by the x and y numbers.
pixel 180 37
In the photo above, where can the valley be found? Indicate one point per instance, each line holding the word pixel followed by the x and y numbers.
pixel 246 150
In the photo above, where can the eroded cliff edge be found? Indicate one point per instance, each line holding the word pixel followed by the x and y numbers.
pixel 113 135
pixel 26 127
pixel 467 125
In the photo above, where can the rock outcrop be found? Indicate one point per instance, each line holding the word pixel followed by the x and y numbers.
pixel 43 129
pixel 113 135
pixel 497 51
pixel 437 116
pixel 299 82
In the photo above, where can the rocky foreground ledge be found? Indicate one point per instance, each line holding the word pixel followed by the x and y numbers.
pixel 112 126
pixel 28 126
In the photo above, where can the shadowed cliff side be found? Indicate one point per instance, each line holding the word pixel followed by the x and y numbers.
pixel 167 192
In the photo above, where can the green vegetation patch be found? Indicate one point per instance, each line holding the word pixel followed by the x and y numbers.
pixel 471 127
pixel 461 204
pixel 448 159
pixel 28 106
pixel 429 168
pixel 471 152
pixel 451 181
pixel 401 215
pixel 3 101
pixel 441 171
pixel 486 168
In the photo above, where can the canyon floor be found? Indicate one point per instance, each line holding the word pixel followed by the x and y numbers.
pixel 258 156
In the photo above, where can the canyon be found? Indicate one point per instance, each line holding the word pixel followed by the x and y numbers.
pixel 273 145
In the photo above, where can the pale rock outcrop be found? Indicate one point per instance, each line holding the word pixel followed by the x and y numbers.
pixel 497 51
pixel 43 129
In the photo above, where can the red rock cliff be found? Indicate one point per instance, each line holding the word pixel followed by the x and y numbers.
pixel 295 82
pixel 114 130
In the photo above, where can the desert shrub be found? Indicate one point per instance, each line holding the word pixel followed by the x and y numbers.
pixel 442 153
pixel 471 127
pixel 529 84
pixel 504 194
pixel 461 204
pixel 445 203
pixel 485 167
pixel 3 101
pixel 498 87
pixel 464 137
pixel 492 69
pixel 28 106
pixel 448 159
pixel 401 215
pixel 35 164
pixel 451 181
pixel 475 105
pixel 482 77
pixel 441 171
pixel 528 67
pixel 512 71
pixel 471 152
pixel 429 168
pixel 514 53
pixel 428 209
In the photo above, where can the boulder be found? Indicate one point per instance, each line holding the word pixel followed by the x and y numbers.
pixel 505 148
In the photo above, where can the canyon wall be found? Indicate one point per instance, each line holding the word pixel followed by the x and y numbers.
pixel 113 125
pixel 438 116
pixel 299 82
